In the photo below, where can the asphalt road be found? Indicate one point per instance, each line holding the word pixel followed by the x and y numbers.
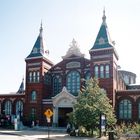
pixel 38 135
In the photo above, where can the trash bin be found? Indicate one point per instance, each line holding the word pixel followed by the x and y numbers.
pixel 110 135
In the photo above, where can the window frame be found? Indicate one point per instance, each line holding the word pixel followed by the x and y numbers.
pixel 96 71
pixel 125 109
pixel 73 82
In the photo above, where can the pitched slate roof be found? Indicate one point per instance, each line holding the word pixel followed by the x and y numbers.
pixel 38 48
pixel 103 39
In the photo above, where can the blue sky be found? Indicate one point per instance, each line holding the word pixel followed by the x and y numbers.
pixel 64 20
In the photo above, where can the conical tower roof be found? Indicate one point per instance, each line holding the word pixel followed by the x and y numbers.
pixel 38 48
pixel 21 87
pixel 103 39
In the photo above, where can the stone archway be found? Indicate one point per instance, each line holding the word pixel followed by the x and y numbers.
pixel 62 104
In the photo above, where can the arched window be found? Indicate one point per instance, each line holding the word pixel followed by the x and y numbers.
pixel 33 96
pixel 19 108
pixel 125 109
pixel 73 82
pixel 107 71
pixel 101 71
pixel 8 108
pixel 96 71
pixel 57 84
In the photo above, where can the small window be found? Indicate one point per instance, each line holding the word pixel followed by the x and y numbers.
pixel 96 71
pixel 30 77
pixel 34 76
pixel 38 76
pixel 33 96
pixel 101 71
pixel 107 71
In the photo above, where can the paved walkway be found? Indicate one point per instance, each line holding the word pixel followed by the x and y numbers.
pixel 40 134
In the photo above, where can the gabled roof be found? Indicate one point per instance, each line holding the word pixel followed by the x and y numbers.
pixel 103 39
pixel 38 48
pixel 73 51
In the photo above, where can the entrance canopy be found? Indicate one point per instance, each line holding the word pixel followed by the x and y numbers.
pixel 63 99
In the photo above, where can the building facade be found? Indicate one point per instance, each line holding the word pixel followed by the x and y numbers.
pixel 56 86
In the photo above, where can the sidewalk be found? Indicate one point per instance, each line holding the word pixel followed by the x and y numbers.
pixel 42 134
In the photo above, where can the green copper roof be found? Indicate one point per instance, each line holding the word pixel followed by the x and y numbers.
pixel 38 48
pixel 103 39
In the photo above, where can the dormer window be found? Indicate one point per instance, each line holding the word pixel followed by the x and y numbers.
pixel 34 50
pixel 101 41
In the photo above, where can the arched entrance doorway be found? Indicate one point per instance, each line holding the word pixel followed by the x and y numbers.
pixel 63 104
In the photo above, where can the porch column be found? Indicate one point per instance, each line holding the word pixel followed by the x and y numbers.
pixel 0 108
pixel 55 116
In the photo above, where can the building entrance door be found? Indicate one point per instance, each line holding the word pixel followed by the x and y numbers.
pixel 63 116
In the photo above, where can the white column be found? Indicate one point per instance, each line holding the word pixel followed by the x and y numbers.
pixel 0 108
pixel 55 116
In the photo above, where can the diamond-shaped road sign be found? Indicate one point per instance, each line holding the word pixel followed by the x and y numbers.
pixel 48 113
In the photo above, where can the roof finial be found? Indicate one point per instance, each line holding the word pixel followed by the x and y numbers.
pixel 23 78
pixel 104 17
pixel 41 28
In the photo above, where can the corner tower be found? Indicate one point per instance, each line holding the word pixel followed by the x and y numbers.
pixel 104 60
pixel 36 67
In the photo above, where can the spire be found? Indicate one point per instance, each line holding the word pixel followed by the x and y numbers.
pixel 21 87
pixel 103 39
pixel 104 16
pixel 38 48
pixel 41 29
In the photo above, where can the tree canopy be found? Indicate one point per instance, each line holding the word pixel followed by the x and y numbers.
pixel 92 101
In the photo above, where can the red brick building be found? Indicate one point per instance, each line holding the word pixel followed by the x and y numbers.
pixel 56 87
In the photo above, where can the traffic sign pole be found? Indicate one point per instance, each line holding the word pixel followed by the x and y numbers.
pixel 48 113
pixel 48 129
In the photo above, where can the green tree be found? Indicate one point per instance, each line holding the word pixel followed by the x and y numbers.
pixel 91 103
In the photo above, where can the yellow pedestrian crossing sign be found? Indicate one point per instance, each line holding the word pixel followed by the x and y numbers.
pixel 48 113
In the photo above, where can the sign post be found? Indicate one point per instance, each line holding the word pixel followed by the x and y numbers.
pixel 48 113
pixel 102 124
